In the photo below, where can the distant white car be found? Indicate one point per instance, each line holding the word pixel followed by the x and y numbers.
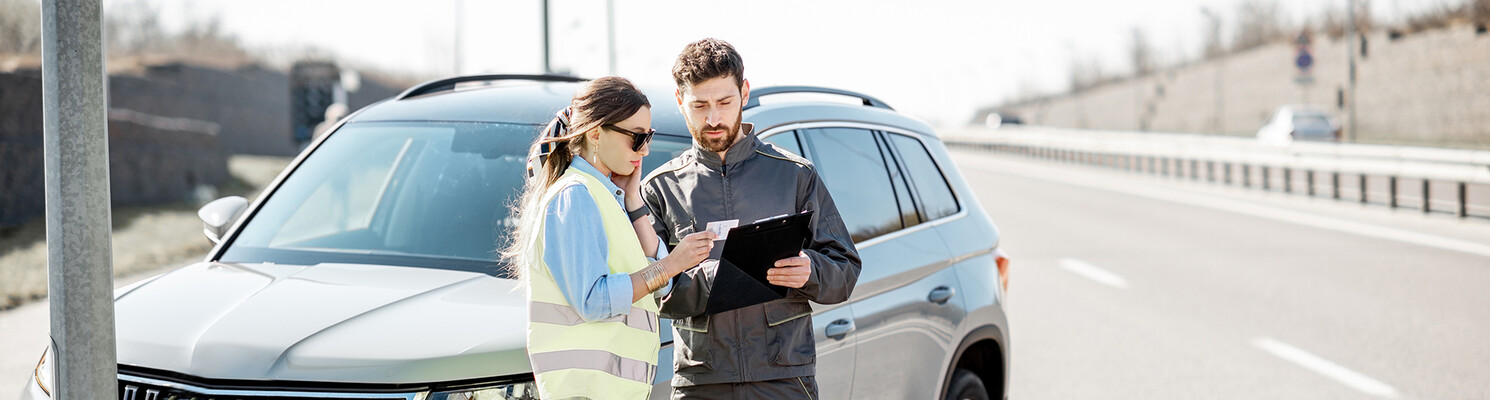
pixel 1296 122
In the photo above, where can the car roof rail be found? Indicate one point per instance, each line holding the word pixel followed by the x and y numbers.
pixel 756 94
pixel 440 85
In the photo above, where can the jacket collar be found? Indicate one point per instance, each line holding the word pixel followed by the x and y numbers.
pixel 740 151
pixel 582 165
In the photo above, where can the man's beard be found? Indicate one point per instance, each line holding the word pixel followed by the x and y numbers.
pixel 731 132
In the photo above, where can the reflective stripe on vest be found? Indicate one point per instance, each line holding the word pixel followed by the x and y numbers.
pixel 564 315
pixel 613 358
pixel 600 360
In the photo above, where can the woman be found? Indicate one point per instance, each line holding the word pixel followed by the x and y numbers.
pixel 583 246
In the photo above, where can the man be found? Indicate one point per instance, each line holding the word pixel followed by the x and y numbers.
pixel 763 351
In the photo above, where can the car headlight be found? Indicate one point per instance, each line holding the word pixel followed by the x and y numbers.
pixel 509 391
pixel 45 369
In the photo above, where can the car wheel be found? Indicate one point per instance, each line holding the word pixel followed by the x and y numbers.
pixel 966 386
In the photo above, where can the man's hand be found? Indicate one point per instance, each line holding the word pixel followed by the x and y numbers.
pixel 791 272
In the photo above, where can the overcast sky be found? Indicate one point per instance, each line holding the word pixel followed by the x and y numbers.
pixel 936 59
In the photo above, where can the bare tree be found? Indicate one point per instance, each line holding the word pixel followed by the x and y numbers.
pixel 1334 19
pixel 1086 72
pixel 1141 53
pixel 1258 23
pixel 20 27
pixel 133 27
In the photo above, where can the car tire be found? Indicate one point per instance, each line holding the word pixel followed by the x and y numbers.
pixel 966 386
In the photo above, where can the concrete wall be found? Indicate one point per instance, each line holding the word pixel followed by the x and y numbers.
pixel 1430 88
pixel 251 105
pixel 151 159
pixel 170 129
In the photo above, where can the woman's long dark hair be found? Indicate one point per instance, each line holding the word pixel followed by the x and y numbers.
pixel 607 100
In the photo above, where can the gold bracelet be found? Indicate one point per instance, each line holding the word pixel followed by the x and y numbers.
pixel 653 276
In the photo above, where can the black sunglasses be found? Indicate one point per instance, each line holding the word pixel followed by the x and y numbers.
pixel 638 140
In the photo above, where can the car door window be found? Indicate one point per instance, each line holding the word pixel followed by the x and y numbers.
pixel 931 189
pixel 850 163
pixel 787 140
pixel 908 215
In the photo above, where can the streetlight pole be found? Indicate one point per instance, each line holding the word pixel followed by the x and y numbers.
pixel 459 26
pixel 610 34
pixel 80 273
pixel 1350 44
pixel 547 68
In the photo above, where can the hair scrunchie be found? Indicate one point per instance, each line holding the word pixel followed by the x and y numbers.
pixel 557 128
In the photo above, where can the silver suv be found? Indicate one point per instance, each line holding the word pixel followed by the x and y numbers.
pixel 367 269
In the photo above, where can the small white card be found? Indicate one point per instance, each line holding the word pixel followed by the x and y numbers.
pixel 721 228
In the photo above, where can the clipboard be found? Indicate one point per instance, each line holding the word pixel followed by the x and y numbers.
pixel 750 252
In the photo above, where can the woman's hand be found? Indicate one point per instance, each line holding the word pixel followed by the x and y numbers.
pixel 693 249
pixel 632 185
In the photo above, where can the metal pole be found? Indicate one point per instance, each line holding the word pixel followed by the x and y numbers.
pixel 1287 180
pixel 610 35
pixel 1350 45
pixel 1427 205
pixel 1462 210
pixel 459 6
pixel 1309 181
pixel 80 280
pixel 547 67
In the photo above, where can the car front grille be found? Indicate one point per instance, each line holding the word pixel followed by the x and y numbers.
pixel 138 388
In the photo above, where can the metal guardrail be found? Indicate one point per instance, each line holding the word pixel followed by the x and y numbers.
pixel 1244 161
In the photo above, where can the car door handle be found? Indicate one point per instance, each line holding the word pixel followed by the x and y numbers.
pixel 940 295
pixel 838 329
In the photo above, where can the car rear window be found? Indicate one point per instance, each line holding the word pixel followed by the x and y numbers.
pixel 932 191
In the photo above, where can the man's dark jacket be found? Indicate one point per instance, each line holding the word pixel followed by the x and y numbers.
pixel 755 180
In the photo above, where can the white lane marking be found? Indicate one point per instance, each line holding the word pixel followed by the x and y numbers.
pixel 1256 210
pixel 1325 367
pixel 1089 271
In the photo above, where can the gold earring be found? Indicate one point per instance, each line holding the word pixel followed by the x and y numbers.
pixel 593 151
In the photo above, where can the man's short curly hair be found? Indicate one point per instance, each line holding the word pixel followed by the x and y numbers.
pixel 708 59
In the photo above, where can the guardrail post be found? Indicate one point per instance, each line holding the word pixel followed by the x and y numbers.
pixel 1194 169
pixel 1309 182
pixel 1427 205
pixel 1391 192
pixel 1335 185
pixel 1463 210
pixel 1226 172
pixel 1363 188
pixel 1246 175
pixel 1287 180
pixel 1265 184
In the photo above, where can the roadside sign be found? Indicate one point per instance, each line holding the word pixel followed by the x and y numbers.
pixel 1304 60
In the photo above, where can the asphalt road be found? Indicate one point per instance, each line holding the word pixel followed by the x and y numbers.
pixel 1133 287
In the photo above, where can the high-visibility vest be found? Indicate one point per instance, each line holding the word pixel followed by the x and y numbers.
pixel 615 358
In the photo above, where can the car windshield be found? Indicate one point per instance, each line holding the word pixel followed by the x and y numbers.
pixel 1311 121
pixel 422 194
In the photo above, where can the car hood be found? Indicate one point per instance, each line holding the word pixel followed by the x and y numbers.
pixel 329 322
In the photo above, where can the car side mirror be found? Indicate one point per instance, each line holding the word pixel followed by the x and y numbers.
pixel 218 215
